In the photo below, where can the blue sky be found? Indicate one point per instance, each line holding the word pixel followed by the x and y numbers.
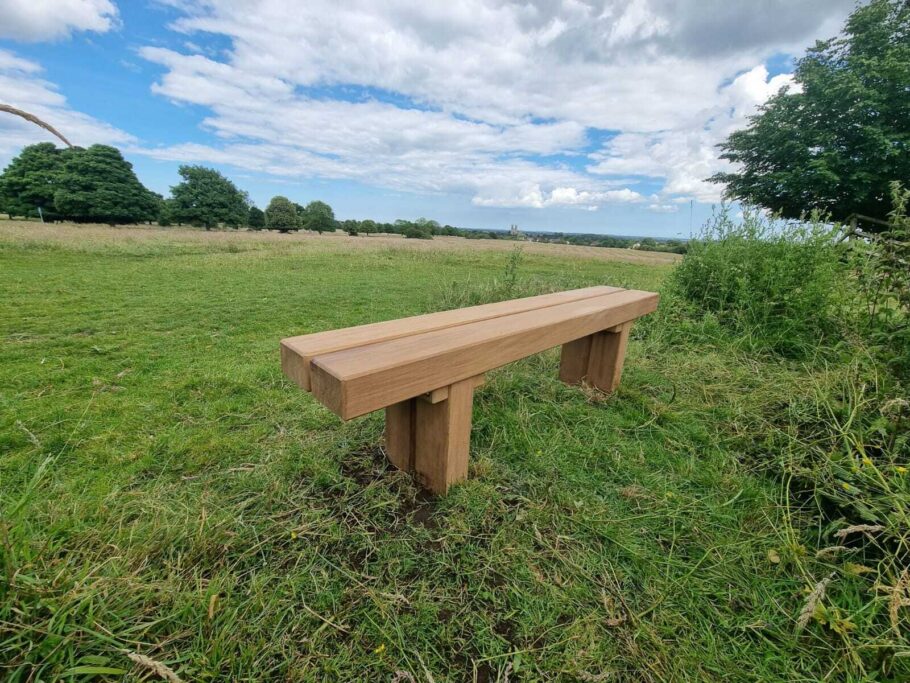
pixel 567 116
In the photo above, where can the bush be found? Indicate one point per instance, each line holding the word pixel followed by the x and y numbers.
pixel 780 286
pixel 836 435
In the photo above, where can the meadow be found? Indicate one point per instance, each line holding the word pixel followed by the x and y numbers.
pixel 166 492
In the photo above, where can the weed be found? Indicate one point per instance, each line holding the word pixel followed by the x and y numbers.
pixel 883 265
pixel 778 286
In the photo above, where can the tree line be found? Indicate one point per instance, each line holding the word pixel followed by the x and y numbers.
pixel 97 185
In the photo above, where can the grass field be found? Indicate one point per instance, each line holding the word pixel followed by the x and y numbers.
pixel 165 491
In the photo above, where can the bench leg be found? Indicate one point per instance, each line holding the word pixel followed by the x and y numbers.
pixel 596 359
pixel 399 434
pixel 433 439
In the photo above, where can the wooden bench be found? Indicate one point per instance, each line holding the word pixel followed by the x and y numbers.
pixel 423 370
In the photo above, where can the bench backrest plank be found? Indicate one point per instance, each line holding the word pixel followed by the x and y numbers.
pixel 298 352
pixel 357 381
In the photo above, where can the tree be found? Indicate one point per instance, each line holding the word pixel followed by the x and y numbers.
pixel 31 179
pixel 256 218
pixel 429 225
pixel 319 216
pixel 165 212
pixel 351 227
pixel 836 145
pixel 281 215
pixel 207 198
pixel 98 185
pixel 301 216
pixel 416 231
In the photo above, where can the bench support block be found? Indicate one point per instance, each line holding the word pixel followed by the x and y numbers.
pixel 596 359
pixel 430 439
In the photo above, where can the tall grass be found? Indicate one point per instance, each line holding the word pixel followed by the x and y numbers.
pixel 883 266
pixel 777 285
pixel 838 440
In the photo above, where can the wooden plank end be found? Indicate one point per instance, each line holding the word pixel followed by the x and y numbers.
pixel 329 391
pixel 294 366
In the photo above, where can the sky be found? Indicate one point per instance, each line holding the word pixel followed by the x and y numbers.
pixel 595 116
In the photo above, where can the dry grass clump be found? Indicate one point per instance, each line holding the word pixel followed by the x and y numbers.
pixel 95 237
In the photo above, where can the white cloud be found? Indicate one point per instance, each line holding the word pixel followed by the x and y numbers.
pixel 496 101
pixel 34 20
pixel 685 156
pixel 531 195
pixel 477 96
pixel 22 87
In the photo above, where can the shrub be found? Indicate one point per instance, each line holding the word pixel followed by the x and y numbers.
pixel 835 434
pixel 778 285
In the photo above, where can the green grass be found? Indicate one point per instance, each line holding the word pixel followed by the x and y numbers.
pixel 166 491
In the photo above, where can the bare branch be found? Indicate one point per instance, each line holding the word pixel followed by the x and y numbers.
pixel 34 119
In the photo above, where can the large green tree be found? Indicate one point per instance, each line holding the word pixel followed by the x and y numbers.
pixel 281 215
pixel 205 197
pixel 98 185
pixel 319 216
pixel 31 179
pixel 255 219
pixel 836 143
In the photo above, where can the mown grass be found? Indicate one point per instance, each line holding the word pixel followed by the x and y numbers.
pixel 165 491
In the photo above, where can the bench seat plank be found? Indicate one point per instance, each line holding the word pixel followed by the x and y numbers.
pixel 298 352
pixel 356 381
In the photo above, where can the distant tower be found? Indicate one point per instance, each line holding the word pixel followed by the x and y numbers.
pixel 513 230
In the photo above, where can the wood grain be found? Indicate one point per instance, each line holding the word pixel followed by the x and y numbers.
pixel 608 352
pixel 573 361
pixel 442 393
pixel 442 438
pixel 298 352
pixel 399 434
pixel 357 381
